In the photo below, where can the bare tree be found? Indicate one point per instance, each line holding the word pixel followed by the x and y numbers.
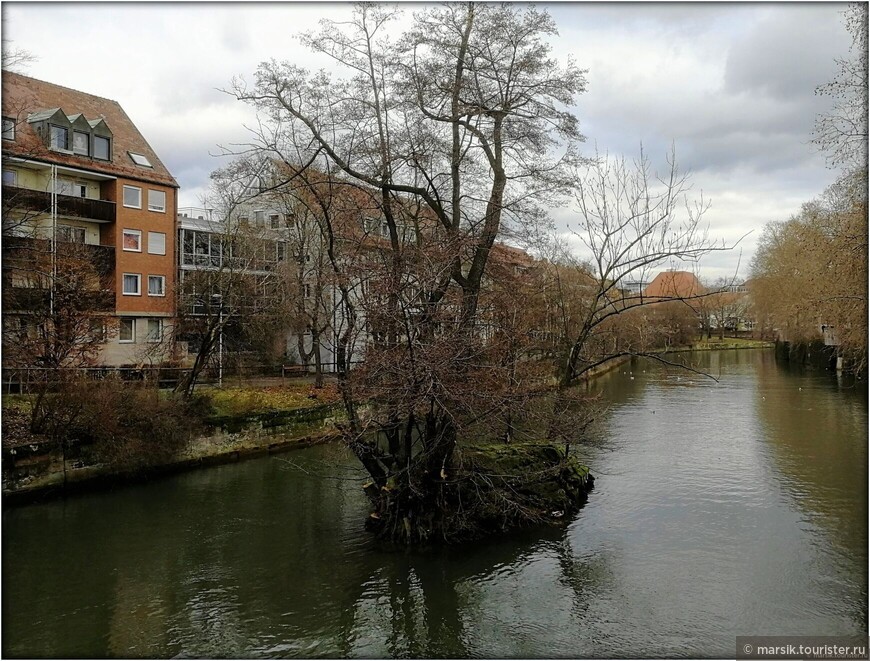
pixel 811 271
pixel 238 281
pixel 631 222
pixel 842 132
pixel 452 131
pixel 16 59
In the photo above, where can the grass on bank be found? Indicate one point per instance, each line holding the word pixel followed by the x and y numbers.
pixel 249 400
pixel 730 343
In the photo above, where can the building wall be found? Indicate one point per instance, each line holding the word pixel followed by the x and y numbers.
pixel 39 226
pixel 141 351
pixel 142 262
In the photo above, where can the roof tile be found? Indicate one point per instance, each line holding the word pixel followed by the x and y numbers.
pixel 23 95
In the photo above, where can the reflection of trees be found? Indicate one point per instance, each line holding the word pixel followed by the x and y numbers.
pixel 818 438
pixel 582 577
pixel 51 601
pixel 260 558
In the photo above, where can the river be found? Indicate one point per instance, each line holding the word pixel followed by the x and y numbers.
pixel 726 508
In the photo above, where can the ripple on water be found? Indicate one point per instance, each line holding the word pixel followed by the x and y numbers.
pixel 719 509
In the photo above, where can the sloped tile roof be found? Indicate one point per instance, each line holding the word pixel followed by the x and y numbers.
pixel 674 284
pixel 23 95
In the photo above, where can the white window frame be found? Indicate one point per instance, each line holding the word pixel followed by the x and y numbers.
pixel 138 291
pixel 138 233
pixel 108 150
pixel 87 151
pixel 154 207
pixel 152 250
pixel 8 128
pixel 97 329
pixel 51 144
pixel 132 340
pixel 162 285
pixel 140 159
pixel 70 231
pixel 124 197
pixel 148 336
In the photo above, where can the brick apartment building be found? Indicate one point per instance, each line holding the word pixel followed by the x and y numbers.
pixel 79 178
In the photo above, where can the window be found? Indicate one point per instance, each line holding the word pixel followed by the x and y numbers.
pixel 201 243
pixel 259 217
pixel 59 137
pixel 156 285
pixel 10 177
pixel 281 251
pixel 306 291
pixel 139 159
pixel 132 284
pixel 156 243
pixel 71 188
pixel 97 330
pixel 155 330
pixel 132 241
pixel 156 201
pixel 8 128
pixel 274 221
pixel 101 148
pixel 70 234
pixel 127 330
pixel 81 143
pixel 133 197
pixel 63 186
pixel 203 248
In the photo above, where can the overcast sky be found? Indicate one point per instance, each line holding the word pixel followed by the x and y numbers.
pixel 731 85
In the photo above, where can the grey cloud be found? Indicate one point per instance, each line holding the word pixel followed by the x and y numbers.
pixel 676 18
pixel 711 130
pixel 787 52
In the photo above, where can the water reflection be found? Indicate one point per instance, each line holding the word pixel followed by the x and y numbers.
pixel 719 509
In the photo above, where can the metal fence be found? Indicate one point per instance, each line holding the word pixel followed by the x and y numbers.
pixel 22 380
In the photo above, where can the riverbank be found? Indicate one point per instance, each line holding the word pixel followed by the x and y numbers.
pixel 243 423
pixel 719 345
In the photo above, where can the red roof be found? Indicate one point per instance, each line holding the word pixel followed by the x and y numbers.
pixel 674 284
pixel 23 96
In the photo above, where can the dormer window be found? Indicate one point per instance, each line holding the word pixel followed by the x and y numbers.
pixel 71 134
pixel 80 143
pixel 59 137
pixel 8 128
pixel 139 159
pixel 102 148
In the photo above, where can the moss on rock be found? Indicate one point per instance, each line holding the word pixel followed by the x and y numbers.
pixel 490 489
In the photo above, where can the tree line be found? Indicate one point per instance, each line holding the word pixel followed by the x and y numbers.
pixel 456 138
pixel 810 271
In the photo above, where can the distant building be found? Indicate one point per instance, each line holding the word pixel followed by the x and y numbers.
pixel 210 249
pixel 79 178
pixel 674 284
pixel 634 286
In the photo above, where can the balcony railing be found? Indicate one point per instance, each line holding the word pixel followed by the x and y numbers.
pixel 15 197
pixel 19 250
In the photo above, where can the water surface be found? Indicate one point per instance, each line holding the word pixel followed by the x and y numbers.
pixel 720 509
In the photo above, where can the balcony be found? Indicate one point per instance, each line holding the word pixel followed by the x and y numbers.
pixel 39 201
pixel 86 273
pixel 17 249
